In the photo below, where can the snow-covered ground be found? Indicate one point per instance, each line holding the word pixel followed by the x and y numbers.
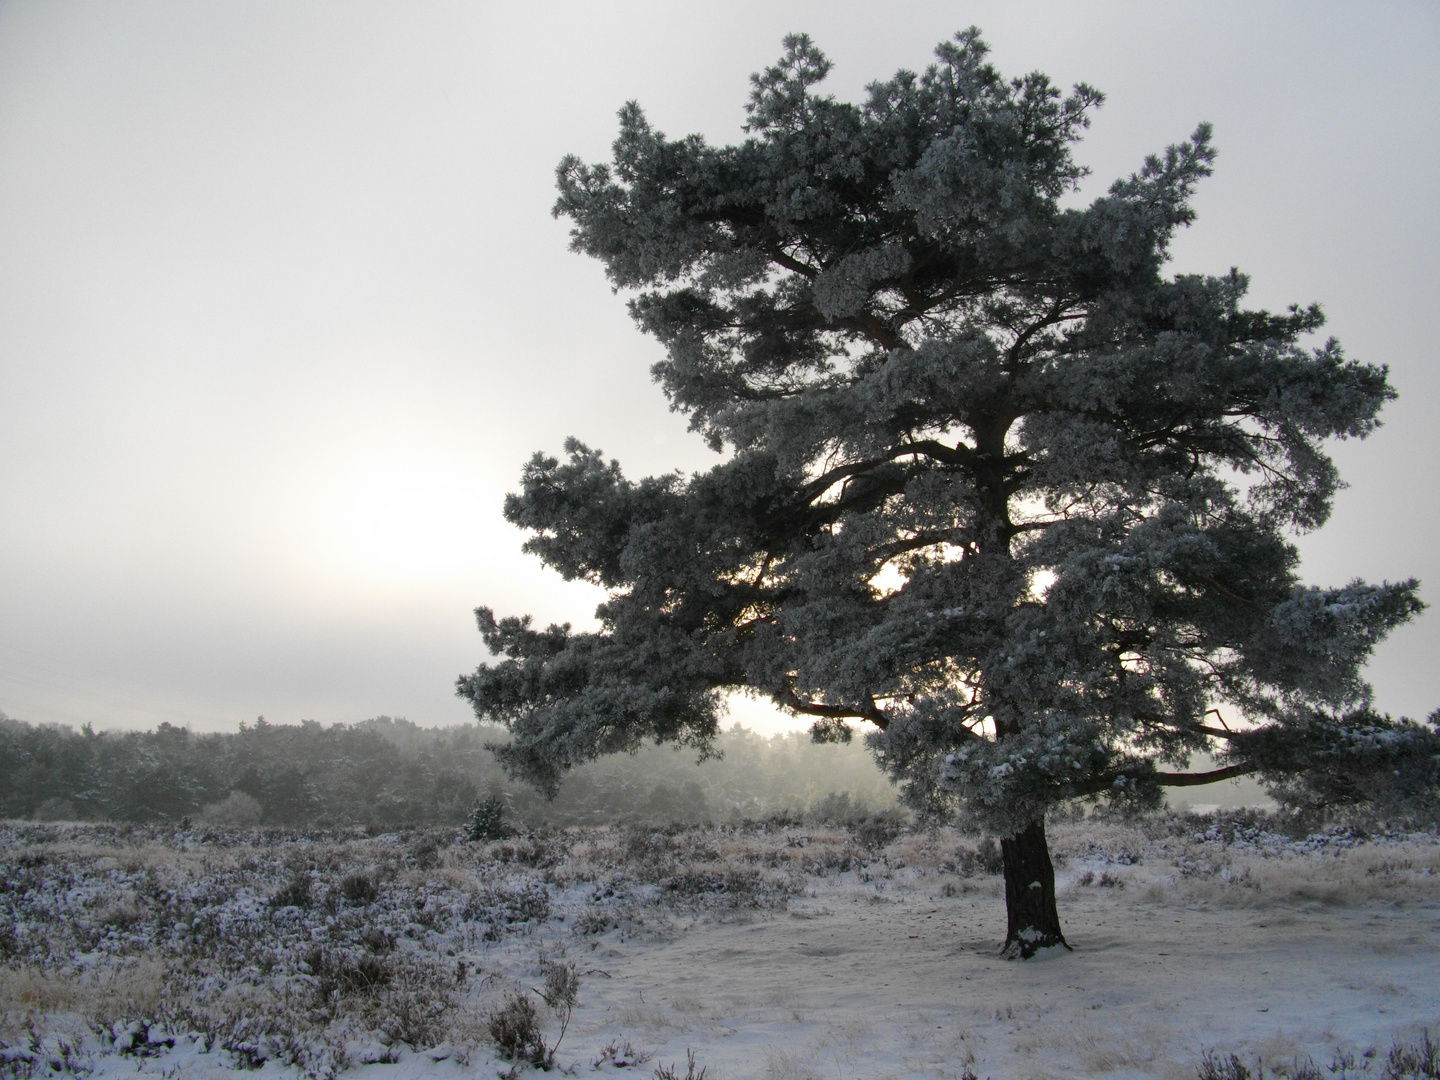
pixel 780 951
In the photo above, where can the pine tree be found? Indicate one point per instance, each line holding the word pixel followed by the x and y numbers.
pixel 487 820
pixel 996 488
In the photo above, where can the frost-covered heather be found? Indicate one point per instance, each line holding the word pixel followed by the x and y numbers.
pixel 325 950
pixel 319 952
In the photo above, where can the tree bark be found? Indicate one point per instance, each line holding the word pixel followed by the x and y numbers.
pixel 1034 923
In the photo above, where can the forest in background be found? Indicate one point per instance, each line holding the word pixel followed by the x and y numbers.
pixel 387 773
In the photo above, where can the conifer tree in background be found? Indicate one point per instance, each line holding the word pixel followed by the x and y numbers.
pixel 997 490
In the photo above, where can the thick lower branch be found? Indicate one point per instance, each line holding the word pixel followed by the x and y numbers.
pixel 873 713
pixel 1195 779
pixel 1105 783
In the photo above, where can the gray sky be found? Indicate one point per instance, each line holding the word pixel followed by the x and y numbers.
pixel 283 309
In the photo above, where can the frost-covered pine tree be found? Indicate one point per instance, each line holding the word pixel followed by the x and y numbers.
pixel 996 489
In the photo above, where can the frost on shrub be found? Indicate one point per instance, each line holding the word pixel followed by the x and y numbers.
pixel 338 974
pixel 984 858
pixel 515 1030
pixel 669 1072
pixel 507 905
pixel 730 888
pixel 515 1024
pixel 295 893
pixel 621 1055
pixel 416 1003
pixel 559 990
pixel 359 889
pixel 1417 1060
pixel 41 1055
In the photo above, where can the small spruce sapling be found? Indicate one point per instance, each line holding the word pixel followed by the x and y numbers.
pixel 487 820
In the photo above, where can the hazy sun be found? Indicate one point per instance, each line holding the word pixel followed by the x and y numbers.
pixel 403 521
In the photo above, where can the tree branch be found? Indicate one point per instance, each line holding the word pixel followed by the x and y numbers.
pixel 886 552
pixel 876 715
pixel 948 455
pixel 808 493
pixel 1223 591
pixel 867 324
pixel 1051 318
pixel 778 254
pixel 1195 779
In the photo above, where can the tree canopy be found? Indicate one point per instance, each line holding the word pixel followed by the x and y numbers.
pixel 995 486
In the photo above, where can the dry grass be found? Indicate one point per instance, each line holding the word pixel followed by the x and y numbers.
pixel 1404 873
pixel 1203 866
pixel 1096 1050
pixel 99 996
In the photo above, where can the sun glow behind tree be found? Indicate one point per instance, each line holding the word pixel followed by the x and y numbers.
pixel 931 375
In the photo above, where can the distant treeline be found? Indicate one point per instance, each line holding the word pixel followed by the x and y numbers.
pixel 388 773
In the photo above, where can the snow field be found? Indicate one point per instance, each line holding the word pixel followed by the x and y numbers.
pixel 775 950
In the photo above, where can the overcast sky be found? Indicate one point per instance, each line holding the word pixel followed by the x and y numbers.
pixel 283 309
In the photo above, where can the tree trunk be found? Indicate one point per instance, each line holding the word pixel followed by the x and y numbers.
pixel 1029 894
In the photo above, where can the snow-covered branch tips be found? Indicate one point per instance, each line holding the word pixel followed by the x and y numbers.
pixel 994 488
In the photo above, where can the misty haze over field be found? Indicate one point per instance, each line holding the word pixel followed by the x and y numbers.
pixel 283 309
